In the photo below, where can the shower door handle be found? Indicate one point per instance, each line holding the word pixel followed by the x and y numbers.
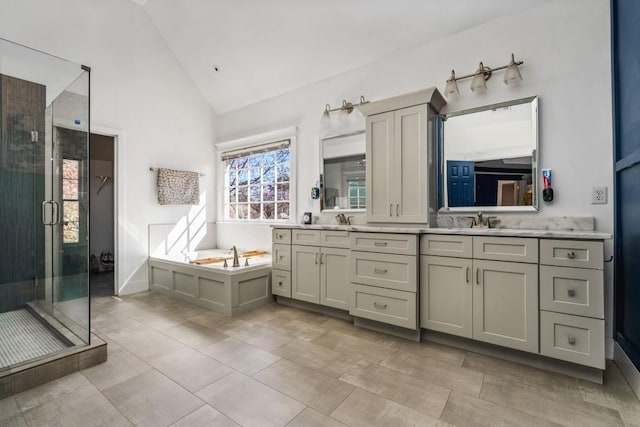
pixel 44 213
pixel 57 210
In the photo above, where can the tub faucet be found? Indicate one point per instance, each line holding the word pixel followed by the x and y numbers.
pixel 480 222
pixel 236 261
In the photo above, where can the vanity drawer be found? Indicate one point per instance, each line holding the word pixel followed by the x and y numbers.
pixel 576 291
pixel 281 283
pixel 281 235
pixel 388 271
pixel 401 244
pixel 572 253
pixel 446 245
pixel 281 256
pixel 305 237
pixel 334 238
pixel 384 305
pixel 506 248
pixel 572 338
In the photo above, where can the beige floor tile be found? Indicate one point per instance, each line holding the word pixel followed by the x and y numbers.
pixel 295 328
pixel 348 328
pixel 566 411
pixel 465 410
pixel 14 421
pixel 49 391
pixel 194 335
pixel 249 402
pixel 614 393
pixel 9 409
pixel 205 416
pixel 435 351
pixel 83 407
pixel 316 357
pixel 312 418
pixel 190 368
pixel 357 347
pixel 120 366
pixel 262 314
pixel 415 393
pixel 436 372
pixel 149 344
pixel 544 380
pixel 158 321
pixel 306 385
pixel 241 356
pixel 259 336
pixel 365 409
pixel 151 399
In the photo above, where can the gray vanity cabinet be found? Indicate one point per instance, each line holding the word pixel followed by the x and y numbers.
pixel 319 267
pixel 472 295
pixel 281 262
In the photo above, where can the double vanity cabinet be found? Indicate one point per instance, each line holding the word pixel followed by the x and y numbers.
pixel 537 292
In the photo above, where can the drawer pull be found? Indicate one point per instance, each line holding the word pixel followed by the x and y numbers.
pixel 380 244
pixel 571 254
pixel 571 292
pixel 571 339
pixel 322 258
pixel 397 208
pixel 380 270
pixel 380 306
pixel 316 258
pixel 390 207
pixel 468 270
pixel 477 276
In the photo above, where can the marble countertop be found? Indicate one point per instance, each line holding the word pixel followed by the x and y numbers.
pixel 507 232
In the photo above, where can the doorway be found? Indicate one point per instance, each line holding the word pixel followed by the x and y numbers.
pixel 101 212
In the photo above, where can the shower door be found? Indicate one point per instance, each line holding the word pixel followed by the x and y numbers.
pixel 65 209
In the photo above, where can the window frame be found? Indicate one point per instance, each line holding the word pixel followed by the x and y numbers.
pixel 82 231
pixel 246 144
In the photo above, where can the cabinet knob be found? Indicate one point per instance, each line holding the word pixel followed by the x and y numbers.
pixel 571 254
pixel 281 256
pixel 380 270
pixel 571 292
pixel 571 340
pixel 380 306
pixel 279 283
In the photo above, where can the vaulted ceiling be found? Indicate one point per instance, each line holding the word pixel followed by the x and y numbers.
pixel 263 48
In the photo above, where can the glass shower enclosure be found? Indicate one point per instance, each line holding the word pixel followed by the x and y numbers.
pixel 44 205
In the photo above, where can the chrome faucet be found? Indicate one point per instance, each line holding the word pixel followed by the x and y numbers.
pixel 236 261
pixel 343 220
pixel 480 222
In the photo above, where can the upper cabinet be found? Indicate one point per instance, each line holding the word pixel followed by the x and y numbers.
pixel 401 134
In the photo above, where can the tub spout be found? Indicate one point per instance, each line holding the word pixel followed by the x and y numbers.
pixel 236 261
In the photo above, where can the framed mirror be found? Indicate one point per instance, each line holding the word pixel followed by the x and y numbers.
pixel 489 157
pixel 342 172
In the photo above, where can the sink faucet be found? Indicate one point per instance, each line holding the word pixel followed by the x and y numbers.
pixel 236 261
pixel 480 222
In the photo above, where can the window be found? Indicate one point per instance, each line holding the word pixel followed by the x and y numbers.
pixel 357 193
pixel 70 201
pixel 257 183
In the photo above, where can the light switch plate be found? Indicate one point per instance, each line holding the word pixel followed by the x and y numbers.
pixel 599 196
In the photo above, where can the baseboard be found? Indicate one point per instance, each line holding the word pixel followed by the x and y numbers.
pixel 133 287
pixel 627 368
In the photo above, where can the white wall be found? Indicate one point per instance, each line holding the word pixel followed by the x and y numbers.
pixel 565 46
pixel 138 88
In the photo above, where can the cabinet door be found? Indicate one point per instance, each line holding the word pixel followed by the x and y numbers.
pixel 334 278
pixel 505 304
pixel 446 292
pixel 410 168
pixel 305 273
pixel 380 152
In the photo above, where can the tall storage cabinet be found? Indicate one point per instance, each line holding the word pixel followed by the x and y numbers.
pixel 400 139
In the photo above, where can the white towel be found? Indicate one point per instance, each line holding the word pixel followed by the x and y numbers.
pixel 178 187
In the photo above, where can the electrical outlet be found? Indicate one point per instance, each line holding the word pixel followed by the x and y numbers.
pixel 599 196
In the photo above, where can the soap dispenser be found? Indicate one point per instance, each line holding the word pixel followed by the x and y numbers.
pixel 547 192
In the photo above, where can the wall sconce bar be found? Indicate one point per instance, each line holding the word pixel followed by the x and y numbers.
pixel 482 74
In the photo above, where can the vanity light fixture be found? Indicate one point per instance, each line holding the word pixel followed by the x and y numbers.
pixel 482 74
pixel 344 110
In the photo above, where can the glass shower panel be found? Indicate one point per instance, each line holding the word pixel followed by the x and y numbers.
pixel 43 281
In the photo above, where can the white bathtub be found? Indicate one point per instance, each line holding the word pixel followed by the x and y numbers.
pixel 226 290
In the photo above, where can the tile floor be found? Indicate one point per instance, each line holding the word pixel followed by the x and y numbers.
pixel 172 363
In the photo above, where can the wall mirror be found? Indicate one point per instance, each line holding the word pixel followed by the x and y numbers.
pixel 489 158
pixel 342 172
